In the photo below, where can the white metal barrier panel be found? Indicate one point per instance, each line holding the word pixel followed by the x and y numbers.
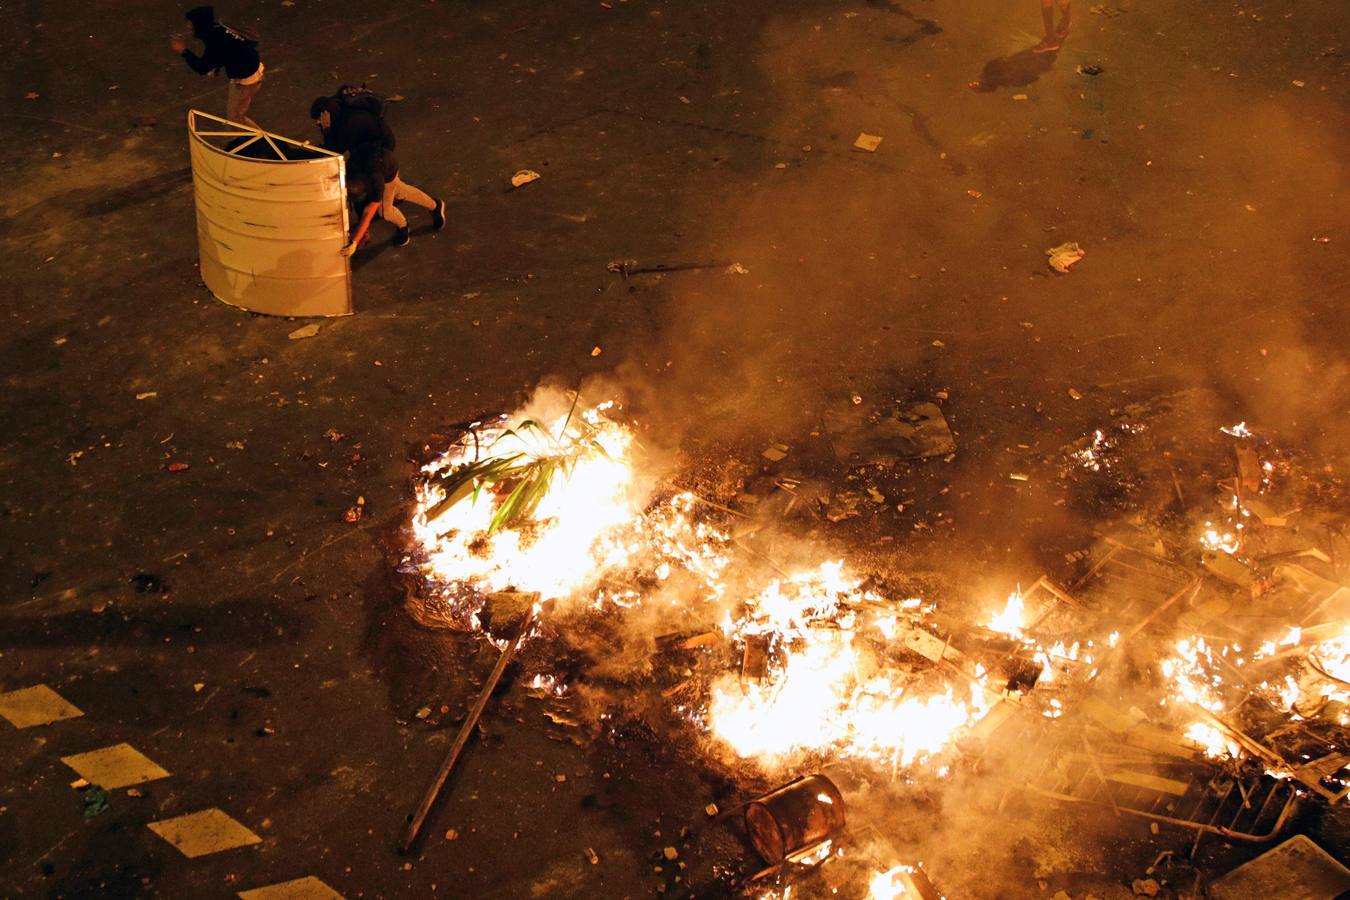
pixel 271 220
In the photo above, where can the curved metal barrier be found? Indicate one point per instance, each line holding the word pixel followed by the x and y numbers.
pixel 271 220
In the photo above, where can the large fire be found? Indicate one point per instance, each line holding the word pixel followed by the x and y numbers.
pixel 830 679
pixel 814 661
pixel 831 686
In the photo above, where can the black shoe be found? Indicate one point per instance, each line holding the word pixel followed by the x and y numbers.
pixel 438 216
pixel 401 237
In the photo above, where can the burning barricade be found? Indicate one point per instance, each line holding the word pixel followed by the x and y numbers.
pixel 1150 686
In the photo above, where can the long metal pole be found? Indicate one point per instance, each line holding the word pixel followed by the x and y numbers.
pixel 461 740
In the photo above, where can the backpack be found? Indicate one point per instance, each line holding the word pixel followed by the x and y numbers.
pixel 361 97
pixel 247 33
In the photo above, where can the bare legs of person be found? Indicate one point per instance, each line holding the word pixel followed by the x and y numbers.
pixel 1054 35
pixel 238 99
pixel 397 190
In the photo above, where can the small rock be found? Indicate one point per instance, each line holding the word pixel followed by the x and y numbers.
pixel 1145 887
pixel 670 853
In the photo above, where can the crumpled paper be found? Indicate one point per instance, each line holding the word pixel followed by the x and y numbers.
pixel 1064 256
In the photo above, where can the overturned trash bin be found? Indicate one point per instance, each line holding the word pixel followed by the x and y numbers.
pixel 796 817
pixel 271 220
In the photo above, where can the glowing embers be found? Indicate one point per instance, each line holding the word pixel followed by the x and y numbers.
pixel 822 680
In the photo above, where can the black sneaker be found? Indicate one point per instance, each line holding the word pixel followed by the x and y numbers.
pixel 401 237
pixel 438 216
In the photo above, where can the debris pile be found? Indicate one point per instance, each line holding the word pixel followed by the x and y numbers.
pixel 1201 685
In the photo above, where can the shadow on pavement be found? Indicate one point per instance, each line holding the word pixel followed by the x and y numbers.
pixel 1018 70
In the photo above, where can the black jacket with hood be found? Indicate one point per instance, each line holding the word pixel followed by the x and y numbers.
pixel 223 46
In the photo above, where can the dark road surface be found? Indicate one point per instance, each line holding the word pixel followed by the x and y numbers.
pixel 1204 171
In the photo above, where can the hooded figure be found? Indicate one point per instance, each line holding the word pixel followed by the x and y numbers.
pixel 349 126
pixel 225 48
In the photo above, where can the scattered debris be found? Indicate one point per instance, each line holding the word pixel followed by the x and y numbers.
pixel 974 194
pixel 1074 394
pixel 146 395
pixel 596 351
pixel 1021 97
pixel 737 269
pixel 592 856
pixel 776 453
pixel 868 437
pixel 145 583
pixel 305 331
pixel 177 467
pixel 1064 256
pixel 868 142
pixel 1089 70
pixel 524 177
pixel 1296 868
pixel 95 802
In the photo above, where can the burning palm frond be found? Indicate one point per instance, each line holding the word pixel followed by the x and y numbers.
pixel 523 478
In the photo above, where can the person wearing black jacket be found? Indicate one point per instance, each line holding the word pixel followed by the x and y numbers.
pixel 374 168
pixel 227 48
pixel 347 126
